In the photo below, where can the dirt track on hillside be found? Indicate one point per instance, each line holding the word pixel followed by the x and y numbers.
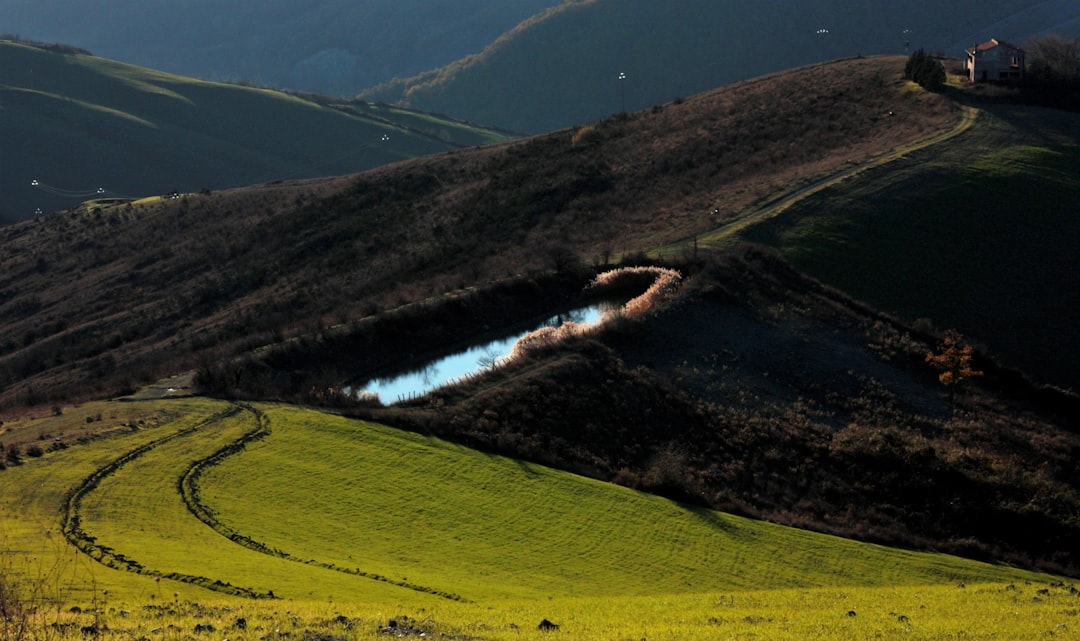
pixel 727 233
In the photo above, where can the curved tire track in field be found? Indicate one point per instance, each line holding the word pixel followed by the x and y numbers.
pixel 188 487
pixel 71 519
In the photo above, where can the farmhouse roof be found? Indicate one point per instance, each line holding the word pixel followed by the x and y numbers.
pixel 990 44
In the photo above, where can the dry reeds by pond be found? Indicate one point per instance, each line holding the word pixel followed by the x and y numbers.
pixel 663 288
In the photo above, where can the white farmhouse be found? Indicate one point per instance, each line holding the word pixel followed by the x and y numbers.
pixel 995 61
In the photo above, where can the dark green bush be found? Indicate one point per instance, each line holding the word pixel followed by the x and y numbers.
pixel 926 70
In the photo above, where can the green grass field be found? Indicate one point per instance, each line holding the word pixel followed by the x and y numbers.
pixel 979 234
pixel 352 524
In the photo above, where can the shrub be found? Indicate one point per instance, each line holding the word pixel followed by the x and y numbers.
pixel 14 622
pixel 584 135
pixel 954 358
pixel 926 70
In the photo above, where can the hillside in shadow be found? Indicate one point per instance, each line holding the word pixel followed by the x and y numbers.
pixel 92 300
pixel 75 124
pixel 563 67
pixel 979 235
pixel 325 46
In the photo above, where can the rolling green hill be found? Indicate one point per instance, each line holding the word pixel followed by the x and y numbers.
pixel 78 124
pixel 561 68
pixel 317 483
pixel 363 524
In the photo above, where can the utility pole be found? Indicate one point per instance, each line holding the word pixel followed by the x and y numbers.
pixel 622 92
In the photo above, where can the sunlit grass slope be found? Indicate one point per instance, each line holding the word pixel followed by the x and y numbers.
pixel 352 494
pixel 139 512
pixel 511 543
pixel 135 513
pixel 76 122
pixel 1000 612
pixel 32 494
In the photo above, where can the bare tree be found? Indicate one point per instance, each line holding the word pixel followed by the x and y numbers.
pixel 563 259
pixel 1052 58
pixel 489 360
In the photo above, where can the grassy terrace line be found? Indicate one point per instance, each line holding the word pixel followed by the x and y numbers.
pixel 71 522
pixel 188 486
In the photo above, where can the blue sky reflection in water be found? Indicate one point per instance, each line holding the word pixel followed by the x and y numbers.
pixel 451 367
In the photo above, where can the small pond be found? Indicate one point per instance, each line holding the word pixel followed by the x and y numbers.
pixel 452 367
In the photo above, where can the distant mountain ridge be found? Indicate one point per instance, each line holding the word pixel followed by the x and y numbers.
pixel 74 124
pixel 525 65
pixel 1052 16
pixel 334 47
pixel 563 67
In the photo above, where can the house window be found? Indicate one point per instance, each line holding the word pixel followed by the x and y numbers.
pixel 1016 62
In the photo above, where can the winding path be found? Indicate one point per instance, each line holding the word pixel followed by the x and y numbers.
pixel 187 486
pixel 72 525
pixel 725 234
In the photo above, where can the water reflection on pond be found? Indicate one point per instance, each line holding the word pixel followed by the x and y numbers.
pixel 475 359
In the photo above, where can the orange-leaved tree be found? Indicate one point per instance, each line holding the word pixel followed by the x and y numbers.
pixel 954 358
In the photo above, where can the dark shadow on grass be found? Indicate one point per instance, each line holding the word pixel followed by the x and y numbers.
pixel 712 518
